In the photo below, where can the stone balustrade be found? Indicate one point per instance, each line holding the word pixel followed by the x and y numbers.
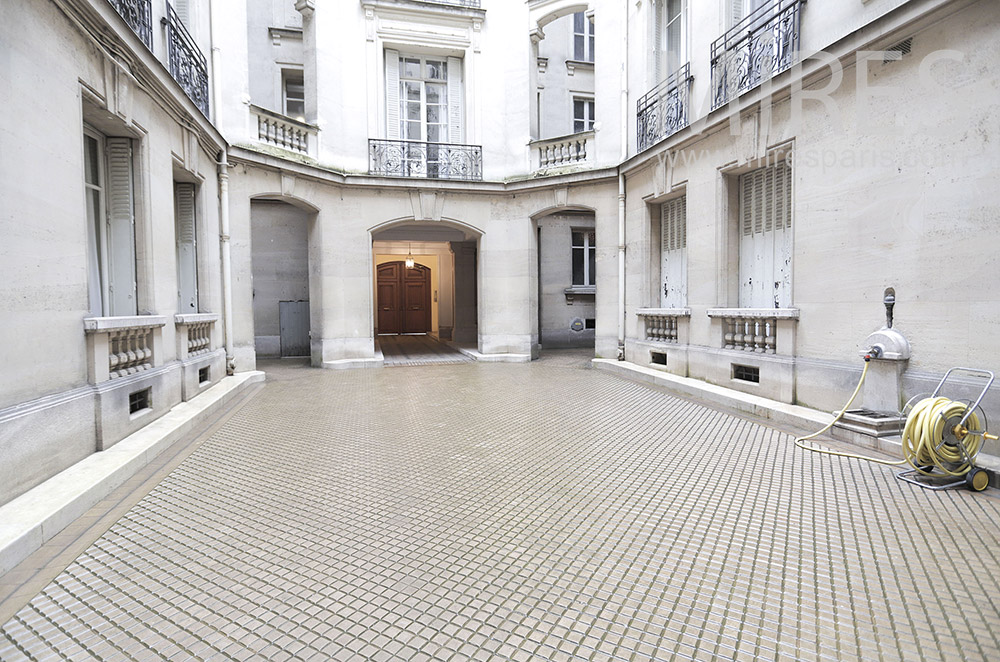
pixel 574 149
pixel 194 334
pixel 754 329
pixel 122 346
pixel 284 132
pixel 663 324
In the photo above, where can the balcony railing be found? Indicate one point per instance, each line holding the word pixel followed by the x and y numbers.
pixel 762 45
pixel 139 16
pixel 574 149
pixel 408 158
pixel 281 131
pixel 194 334
pixel 186 62
pixel 122 346
pixel 662 325
pixel 754 329
pixel 663 111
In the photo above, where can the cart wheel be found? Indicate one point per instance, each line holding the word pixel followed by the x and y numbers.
pixel 977 479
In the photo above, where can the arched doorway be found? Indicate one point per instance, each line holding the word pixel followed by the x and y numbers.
pixel 403 299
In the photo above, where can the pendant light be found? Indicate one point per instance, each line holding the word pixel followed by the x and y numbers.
pixel 409 258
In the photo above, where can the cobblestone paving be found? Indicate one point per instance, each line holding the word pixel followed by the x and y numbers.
pixel 520 512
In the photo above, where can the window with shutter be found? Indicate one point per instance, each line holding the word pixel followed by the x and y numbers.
pixel 673 253
pixel 110 201
pixel 765 218
pixel 669 35
pixel 187 249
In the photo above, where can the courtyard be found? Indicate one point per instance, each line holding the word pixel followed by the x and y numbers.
pixel 475 511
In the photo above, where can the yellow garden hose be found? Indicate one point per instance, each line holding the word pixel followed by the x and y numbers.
pixel 924 432
pixel 800 441
pixel 923 436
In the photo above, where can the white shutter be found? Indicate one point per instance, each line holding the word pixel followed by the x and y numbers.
pixel 735 12
pixel 183 13
pixel 121 228
pixel 657 54
pixel 766 237
pixel 673 253
pixel 392 94
pixel 455 101
pixel 187 251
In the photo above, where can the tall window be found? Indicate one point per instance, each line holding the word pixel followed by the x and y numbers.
pixel 110 199
pixel 583 38
pixel 187 247
pixel 740 9
pixel 584 257
pixel 765 229
pixel 423 98
pixel 673 253
pixel 293 92
pixel 583 114
pixel 669 34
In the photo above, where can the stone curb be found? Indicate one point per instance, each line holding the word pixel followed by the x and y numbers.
pixel 36 516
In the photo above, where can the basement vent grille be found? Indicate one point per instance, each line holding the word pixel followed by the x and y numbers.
pixel 140 400
pixel 746 373
pixel 903 48
pixel 658 358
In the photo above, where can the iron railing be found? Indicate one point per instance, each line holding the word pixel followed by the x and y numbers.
pixel 663 111
pixel 762 45
pixel 139 16
pixel 408 158
pixel 185 61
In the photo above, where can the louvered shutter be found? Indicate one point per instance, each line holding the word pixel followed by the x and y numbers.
pixel 765 237
pixel 187 250
pixel 121 228
pixel 673 253
pixel 657 50
pixel 735 12
pixel 456 112
pixel 183 12
pixel 392 94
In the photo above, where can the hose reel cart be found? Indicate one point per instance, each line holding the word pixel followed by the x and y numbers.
pixel 942 438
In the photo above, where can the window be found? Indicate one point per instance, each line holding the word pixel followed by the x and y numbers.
pixel 740 9
pixel 110 199
pixel 583 38
pixel 584 257
pixel 423 99
pixel 187 249
pixel 293 91
pixel 765 230
pixel 583 114
pixel 673 253
pixel 669 35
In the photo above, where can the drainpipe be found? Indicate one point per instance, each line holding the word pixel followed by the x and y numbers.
pixel 621 183
pixel 227 264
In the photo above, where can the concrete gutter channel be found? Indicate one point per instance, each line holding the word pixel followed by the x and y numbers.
pixel 779 413
pixel 30 520
pixel 36 516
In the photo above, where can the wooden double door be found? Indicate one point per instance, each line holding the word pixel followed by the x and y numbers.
pixel 403 298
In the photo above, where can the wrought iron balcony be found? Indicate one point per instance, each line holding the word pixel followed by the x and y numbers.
pixel 185 61
pixel 762 45
pixel 408 158
pixel 139 16
pixel 663 111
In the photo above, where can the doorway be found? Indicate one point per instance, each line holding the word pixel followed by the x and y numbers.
pixel 403 298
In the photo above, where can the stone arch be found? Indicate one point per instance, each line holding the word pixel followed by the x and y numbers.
pixel 295 201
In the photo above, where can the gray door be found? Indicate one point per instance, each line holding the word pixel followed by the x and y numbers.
pixel 293 317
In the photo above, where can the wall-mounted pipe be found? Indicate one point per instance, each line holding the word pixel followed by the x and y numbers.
pixel 227 270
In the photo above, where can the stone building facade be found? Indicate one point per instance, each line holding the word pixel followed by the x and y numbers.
pixel 720 190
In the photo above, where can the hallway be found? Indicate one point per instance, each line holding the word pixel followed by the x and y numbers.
pixel 541 511
pixel 418 350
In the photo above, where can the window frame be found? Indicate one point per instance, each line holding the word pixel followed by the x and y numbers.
pixel 288 75
pixel 588 252
pixel 583 40
pixel 584 123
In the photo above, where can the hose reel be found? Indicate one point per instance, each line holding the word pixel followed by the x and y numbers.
pixel 942 438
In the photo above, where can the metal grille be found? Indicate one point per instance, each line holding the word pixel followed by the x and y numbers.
pixel 746 373
pixel 185 61
pixel 762 45
pixel 139 16
pixel 408 158
pixel 663 111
